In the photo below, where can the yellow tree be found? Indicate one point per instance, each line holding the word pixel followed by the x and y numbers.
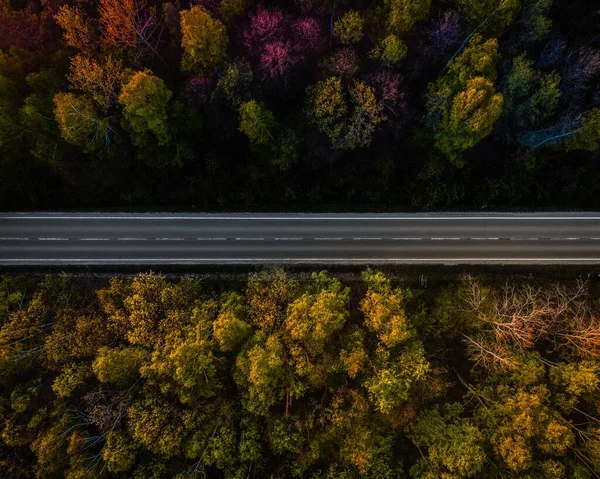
pixel 80 121
pixel 347 124
pixel 313 317
pixel 349 28
pixel 261 372
pixel 230 329
pixel 267 294
pixel 383 307
pixel 522 424
pixel 312 320
pixel 204 40
pixel 402 15
pixel 463 105
pixel 98 79
pixel 471 118
pixel 145 99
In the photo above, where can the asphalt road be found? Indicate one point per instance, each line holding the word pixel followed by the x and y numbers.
pixel 57 238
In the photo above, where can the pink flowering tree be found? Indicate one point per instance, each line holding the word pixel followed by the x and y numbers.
pixel 306 34
pixel 276 59
pixel 278 43
pixel 343 62
pixel 387 85
pixel 265 25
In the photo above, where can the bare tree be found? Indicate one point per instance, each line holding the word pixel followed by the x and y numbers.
pixel 490 354
pixel 521 315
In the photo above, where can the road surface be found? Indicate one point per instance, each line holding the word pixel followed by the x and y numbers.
pixel 148 239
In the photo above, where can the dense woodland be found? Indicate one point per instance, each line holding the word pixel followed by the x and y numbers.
pixel 299 104
pixel 277 377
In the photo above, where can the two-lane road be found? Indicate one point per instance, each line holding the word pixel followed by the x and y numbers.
pixel 61 238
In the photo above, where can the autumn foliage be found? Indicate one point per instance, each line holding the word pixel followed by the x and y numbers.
pixel 402 104
pixel 299 375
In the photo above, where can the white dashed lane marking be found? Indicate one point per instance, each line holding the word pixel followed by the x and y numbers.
pixel 301 239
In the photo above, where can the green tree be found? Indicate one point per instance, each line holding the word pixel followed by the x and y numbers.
pixel 80 122
pixel 185 365
pixel 463 104
pixel 453 446
pixel 401 16
pixel 328 109
pixel 13 293
pixel 586 137
pixel 257 122
pixel 118 452
pixel 314 316
pixel 72 377
pixel 261 373
pixel 50 444
pixel 36 116
pixel 536 20
pixel 157 426
pixel 204 40
pixel 531 96
pixel 471 118
pixel 390 50
pixel 145 100
pixel 119 366
pixel 495 15
pixel 396 377
pixel 235 81
pixel 230 327
pixel 24 333
pixel 229 9
pixel 312 320
pixel 573 383
pixel 478 59
pixel 286 152
pixel 349 28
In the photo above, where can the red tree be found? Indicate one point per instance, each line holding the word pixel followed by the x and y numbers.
pixel 130 23
pixel 23 28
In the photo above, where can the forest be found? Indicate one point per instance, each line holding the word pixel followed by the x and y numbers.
pixel 299 104
pixel 276 376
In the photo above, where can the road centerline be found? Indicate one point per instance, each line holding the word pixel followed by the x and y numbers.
pixel 294 238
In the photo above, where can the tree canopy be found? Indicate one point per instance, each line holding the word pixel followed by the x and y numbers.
pixel 233 104
pixel 299 375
